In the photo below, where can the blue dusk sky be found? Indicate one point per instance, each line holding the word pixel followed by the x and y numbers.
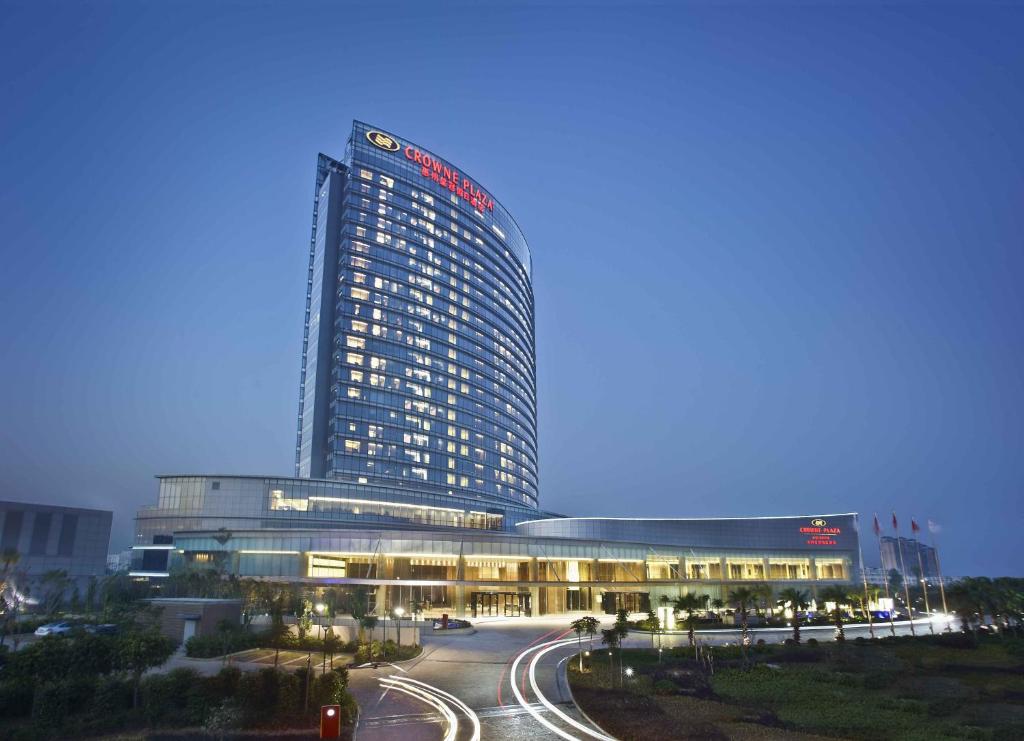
pixel 777 247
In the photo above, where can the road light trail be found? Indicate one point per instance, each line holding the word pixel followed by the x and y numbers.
pixel 546 703
pixel 453 699
pixel 428 698
pixel 543 649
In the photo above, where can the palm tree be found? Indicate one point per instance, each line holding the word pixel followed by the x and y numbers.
pixel 762 596
pixel 836 595
pixel 741 597
pixel 587 624
pixel 689 604
pixel 797 600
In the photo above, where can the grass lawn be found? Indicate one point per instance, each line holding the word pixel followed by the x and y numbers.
pixel 887 689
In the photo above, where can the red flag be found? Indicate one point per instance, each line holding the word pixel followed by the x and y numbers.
pixel 895 525
pixel 914 527
pixel 878 528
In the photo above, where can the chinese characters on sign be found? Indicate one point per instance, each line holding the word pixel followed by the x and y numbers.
pixel 818 533
pixel 447 177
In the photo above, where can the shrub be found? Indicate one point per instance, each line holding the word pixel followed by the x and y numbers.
pixel 178 698
pixel 665 687
pixel 812 641
pixel 211 646
pixel 15 698
pixel 110 702
pixel 327 690
pixel 54 702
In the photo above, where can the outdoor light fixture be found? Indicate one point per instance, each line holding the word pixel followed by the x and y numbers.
pixel 399 611
pixel 629 671
pixel 320 607
pixel 330 712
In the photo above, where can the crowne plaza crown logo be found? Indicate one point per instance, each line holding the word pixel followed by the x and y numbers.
pixel 382 140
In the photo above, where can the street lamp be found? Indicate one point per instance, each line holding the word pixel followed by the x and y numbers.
pixel 399 611
pixel 320 608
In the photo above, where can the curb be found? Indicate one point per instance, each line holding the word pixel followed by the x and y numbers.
pixel 568 686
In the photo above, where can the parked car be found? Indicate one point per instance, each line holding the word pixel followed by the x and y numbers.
pixel 106 629
pixel 453 623
pixel 53 629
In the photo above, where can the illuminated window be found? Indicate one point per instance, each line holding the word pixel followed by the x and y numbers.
pixel 352 446
pixel 359 293
pixel 354 358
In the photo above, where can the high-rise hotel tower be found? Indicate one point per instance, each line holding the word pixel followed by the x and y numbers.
pixel 418 361
pixel 416 461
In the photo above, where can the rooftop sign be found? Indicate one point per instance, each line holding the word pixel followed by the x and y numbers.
pixel 435 170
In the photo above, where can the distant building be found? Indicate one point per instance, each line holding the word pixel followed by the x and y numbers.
pixel 118 562
pixel 49 538
pixel 911 547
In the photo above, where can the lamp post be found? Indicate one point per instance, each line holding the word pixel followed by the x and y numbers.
pixel 320 607
pixel 399 611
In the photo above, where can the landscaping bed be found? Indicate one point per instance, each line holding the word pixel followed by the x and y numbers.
pixel 904 688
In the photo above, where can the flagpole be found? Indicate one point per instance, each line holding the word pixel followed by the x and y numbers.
pixel 885 576
pixel 864 578
pixel 924 581
pixel 903 568
pixel 867 599
pixel 942 586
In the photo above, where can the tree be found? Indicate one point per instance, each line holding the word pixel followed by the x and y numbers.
pixel 91 591
pixel 797 600
pixel 895 583
pixel 367 622
pixel 612 639
pixel 358 607
pixel 305 621
pixel 762 596
pixel 10 597
pixel 141 650
pixel 225 628
pixel 837 596
pixel 587 624
pixel 54 584
pixel 740 598
pixel 278 633
pixel 689 604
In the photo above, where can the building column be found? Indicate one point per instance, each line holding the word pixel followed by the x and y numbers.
pixel 682 568
pixel 460 601
pixel 382 600
pixel 534 601
pixel 724 568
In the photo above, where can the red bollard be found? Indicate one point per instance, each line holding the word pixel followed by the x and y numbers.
pixel 330 721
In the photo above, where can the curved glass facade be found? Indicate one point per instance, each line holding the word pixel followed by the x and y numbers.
pixel 418 357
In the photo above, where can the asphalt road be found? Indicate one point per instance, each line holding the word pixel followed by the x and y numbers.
pixel 479 668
